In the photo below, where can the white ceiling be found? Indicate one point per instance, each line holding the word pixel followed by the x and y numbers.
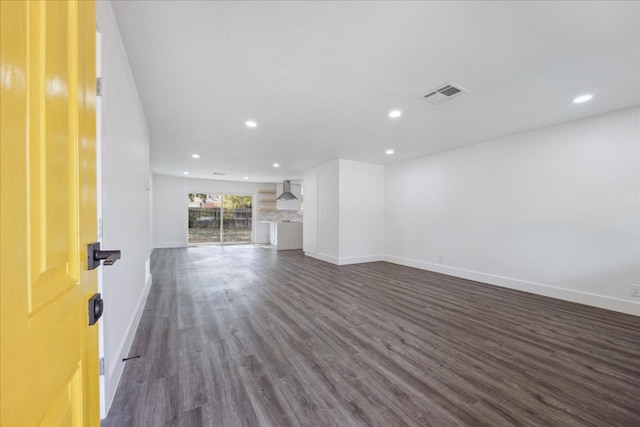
pixel 319 78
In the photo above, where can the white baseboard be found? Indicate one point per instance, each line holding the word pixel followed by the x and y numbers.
pixel 345 260
pixel 116 366
pixel 168 245
pixel 608 303
pixel 359 259
pixel 323 257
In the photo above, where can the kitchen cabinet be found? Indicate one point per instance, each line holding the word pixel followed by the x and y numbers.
pixel 288 235
pixel 290 205
pixel 262 233
pixel 284 235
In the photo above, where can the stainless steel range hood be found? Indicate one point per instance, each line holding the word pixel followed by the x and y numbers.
pixel 286 191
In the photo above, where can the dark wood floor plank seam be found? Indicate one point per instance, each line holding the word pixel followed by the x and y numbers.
pixel 505 330
pixel 247 336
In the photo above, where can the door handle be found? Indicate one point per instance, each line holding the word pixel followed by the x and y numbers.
pixel 95 255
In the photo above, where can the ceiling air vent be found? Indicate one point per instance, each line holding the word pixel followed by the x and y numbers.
pixel 219 173
pixel 442 93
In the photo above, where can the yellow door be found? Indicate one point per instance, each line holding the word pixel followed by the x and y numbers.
pixel 49 354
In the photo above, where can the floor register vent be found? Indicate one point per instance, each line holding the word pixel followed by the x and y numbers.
pixel 443 93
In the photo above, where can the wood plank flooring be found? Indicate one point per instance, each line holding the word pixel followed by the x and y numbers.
pixel 248 336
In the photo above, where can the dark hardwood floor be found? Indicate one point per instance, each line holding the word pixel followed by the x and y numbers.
pixel 247 336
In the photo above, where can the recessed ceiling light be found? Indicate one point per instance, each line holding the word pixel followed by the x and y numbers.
pixel 185 173
pixel 246 177
pixel 582 98
pixel 250 124
pixel 195 156
pixel 276 165
pixel 395 114
pixel 389 151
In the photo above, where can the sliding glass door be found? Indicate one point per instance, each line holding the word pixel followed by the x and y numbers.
pixel 236 219
pixel 204 218
pixel 220 219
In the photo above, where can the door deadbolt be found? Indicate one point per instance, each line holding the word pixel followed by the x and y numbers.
pixel 96 307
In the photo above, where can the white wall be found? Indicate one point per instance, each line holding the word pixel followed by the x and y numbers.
pixel 328 225
pixel 554 211
pixel 321 227
pixel 310 223
pixel 344 212
pixel 170 205
pixel 125 200
pixel 361 190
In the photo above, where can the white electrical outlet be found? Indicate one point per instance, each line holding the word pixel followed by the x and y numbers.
pixel 635 290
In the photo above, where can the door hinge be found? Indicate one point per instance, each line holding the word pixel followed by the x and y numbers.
pixel 99 86
pixel 101 363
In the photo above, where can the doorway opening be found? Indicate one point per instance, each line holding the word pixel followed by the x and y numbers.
pixel 220 219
